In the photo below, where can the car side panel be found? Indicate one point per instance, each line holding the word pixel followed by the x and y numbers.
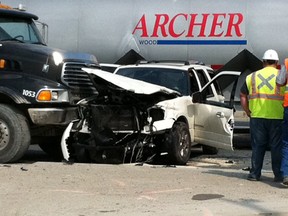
pixel 214 125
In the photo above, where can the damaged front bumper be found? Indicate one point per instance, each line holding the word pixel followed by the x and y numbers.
pixel 65 136
pixel 156 128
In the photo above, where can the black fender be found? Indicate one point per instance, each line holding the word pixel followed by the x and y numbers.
pixel 13 95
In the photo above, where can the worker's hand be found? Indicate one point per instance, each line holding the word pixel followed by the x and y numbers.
pixel 248 113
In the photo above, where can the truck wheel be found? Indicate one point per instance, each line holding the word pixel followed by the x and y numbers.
pixel 178 144
pixel 14 134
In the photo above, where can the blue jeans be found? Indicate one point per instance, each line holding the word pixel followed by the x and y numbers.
pixel 266 133
pixel 284 167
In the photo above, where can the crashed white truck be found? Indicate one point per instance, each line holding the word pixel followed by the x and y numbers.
pixel 152 112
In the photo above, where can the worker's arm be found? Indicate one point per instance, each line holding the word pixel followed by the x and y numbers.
pixel 281 78
pixel 244 99
pixel 245 104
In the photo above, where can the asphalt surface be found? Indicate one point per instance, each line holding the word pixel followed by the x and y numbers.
pixel 207 185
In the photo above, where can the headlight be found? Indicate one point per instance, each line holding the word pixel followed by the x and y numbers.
pixel 156 114
pixel 58 59
pixel 52 95
pixel 44 95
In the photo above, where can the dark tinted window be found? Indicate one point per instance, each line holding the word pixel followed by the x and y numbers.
pixel 108 68
pixel 170 78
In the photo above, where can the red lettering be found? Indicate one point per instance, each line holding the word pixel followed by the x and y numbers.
pixel 141 25
pixel 216 23
pixel 172 24
pixel 193 24
pixel 159 25
pixel 235 25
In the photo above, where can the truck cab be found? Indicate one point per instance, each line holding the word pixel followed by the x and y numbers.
pixel 39 86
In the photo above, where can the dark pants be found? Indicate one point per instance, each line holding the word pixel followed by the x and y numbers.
pixel 284 167
pixel 266 133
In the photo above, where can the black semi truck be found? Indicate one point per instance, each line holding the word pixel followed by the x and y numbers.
pixel 39 86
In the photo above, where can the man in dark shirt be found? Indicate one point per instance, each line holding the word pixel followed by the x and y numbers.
pixel 262 100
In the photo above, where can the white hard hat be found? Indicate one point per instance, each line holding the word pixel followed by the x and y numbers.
pixel 270 55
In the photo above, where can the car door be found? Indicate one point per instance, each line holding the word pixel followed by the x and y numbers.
pixel 214 120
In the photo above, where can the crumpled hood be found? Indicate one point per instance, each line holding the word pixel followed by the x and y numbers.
pixel 144 91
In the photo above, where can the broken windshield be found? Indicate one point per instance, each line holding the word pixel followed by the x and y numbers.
pixel 170 78
pixel 22 30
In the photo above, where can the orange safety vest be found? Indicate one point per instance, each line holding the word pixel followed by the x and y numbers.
pixel 285 103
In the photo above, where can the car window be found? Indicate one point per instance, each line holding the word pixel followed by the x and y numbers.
pixel 108 68
pixel 228 82
pixel 203 80
pixel 194 86
pixel 216 84
pixel 170 78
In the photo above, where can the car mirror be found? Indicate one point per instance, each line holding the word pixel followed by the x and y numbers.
pixel 197 97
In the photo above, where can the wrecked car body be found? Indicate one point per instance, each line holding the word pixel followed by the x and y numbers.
pixel 131 120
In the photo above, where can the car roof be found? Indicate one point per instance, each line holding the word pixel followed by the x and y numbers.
pixel 182 65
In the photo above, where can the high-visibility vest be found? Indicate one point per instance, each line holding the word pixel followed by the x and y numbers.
pixel 265 97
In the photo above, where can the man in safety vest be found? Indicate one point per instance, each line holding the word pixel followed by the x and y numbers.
pixel 281 80
pixel 262 101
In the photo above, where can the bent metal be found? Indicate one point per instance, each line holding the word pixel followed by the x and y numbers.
pixel 195 25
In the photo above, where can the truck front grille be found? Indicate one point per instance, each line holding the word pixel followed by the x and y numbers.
pixel 78 80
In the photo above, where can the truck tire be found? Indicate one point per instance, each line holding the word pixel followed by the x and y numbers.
pixel 14 134
pixel 178 144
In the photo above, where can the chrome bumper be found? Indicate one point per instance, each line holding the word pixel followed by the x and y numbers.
pixel 52 116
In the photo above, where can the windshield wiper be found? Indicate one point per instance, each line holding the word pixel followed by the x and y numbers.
pixel 12 39
pixel 39 43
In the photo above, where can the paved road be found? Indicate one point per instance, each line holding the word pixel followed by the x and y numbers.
pixel 208 185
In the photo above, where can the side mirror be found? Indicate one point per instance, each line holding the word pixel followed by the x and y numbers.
pixel 197 97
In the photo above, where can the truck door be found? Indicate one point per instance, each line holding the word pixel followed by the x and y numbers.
pixel 214 119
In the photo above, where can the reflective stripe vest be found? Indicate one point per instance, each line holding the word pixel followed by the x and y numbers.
pixel 265 97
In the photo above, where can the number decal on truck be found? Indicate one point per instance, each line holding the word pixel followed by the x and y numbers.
pixel 28 93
